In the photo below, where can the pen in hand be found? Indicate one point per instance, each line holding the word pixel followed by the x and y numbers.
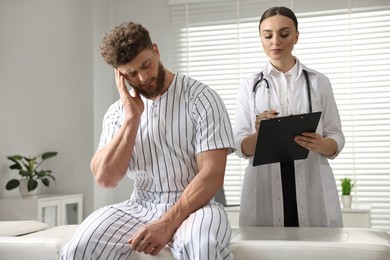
pixel 267 112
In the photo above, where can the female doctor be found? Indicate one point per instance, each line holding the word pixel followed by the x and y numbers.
pixel 283 87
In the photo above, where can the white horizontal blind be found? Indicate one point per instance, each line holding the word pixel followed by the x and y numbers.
pixel 217 42
pixel 206 44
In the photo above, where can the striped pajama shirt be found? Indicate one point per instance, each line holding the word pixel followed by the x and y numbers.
pixel 189 118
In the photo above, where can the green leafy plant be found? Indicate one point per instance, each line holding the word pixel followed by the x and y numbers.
pixel 346 186
pixel 28 169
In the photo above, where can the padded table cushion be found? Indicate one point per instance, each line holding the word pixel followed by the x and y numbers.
pixel 22 227
pixel 42 245
pixel 269 243
pixel 248 243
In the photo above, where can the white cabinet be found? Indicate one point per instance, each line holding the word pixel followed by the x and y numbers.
pixel 233 214
pixel 359 218
pixel 52 209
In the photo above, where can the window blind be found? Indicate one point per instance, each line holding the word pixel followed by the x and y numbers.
pixel 218 43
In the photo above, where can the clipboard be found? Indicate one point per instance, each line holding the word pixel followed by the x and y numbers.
pixel 275 142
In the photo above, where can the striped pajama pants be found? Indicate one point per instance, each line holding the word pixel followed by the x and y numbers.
pixel 204 235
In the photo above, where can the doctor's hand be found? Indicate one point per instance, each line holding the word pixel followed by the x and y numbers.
pixel 316 143
pixel 310 141
pixel 267 114
pixel 132 102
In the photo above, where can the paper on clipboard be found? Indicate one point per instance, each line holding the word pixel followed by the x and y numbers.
pixel 275 142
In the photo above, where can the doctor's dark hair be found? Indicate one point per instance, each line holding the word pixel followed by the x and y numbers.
pixel 124 43
pixel 279 10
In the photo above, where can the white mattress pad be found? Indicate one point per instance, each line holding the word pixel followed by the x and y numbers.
pixel 265 243
pixel 269 243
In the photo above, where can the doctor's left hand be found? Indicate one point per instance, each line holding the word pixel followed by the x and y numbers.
pixel 310 141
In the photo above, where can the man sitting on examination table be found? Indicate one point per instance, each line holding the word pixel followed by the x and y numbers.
pixel 171 134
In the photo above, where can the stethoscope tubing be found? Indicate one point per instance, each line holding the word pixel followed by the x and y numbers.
pixel 263 79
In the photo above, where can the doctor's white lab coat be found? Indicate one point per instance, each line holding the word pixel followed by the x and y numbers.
pixel 316 191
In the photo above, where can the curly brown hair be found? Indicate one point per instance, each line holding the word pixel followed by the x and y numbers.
pixel 124 43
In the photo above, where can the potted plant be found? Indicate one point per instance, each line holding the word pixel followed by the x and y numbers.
pixel 28 169
pixel 346 188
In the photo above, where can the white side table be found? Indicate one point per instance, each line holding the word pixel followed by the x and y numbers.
pixel 233 214
pixel 52 209
pixel 359 218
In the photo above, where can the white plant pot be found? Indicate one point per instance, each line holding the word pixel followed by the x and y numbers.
pixel 346 200
pixel 24 190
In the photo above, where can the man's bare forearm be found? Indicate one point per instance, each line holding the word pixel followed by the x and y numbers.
pixel 202 188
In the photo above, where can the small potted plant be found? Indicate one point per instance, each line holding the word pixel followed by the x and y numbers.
pixel 346 188
pixel 28 169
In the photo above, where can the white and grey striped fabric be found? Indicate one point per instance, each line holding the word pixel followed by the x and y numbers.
pixel 188 119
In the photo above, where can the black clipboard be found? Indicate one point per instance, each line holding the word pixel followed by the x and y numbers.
pixel 275 142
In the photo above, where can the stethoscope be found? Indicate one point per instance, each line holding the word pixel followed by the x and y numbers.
pixel 262 79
